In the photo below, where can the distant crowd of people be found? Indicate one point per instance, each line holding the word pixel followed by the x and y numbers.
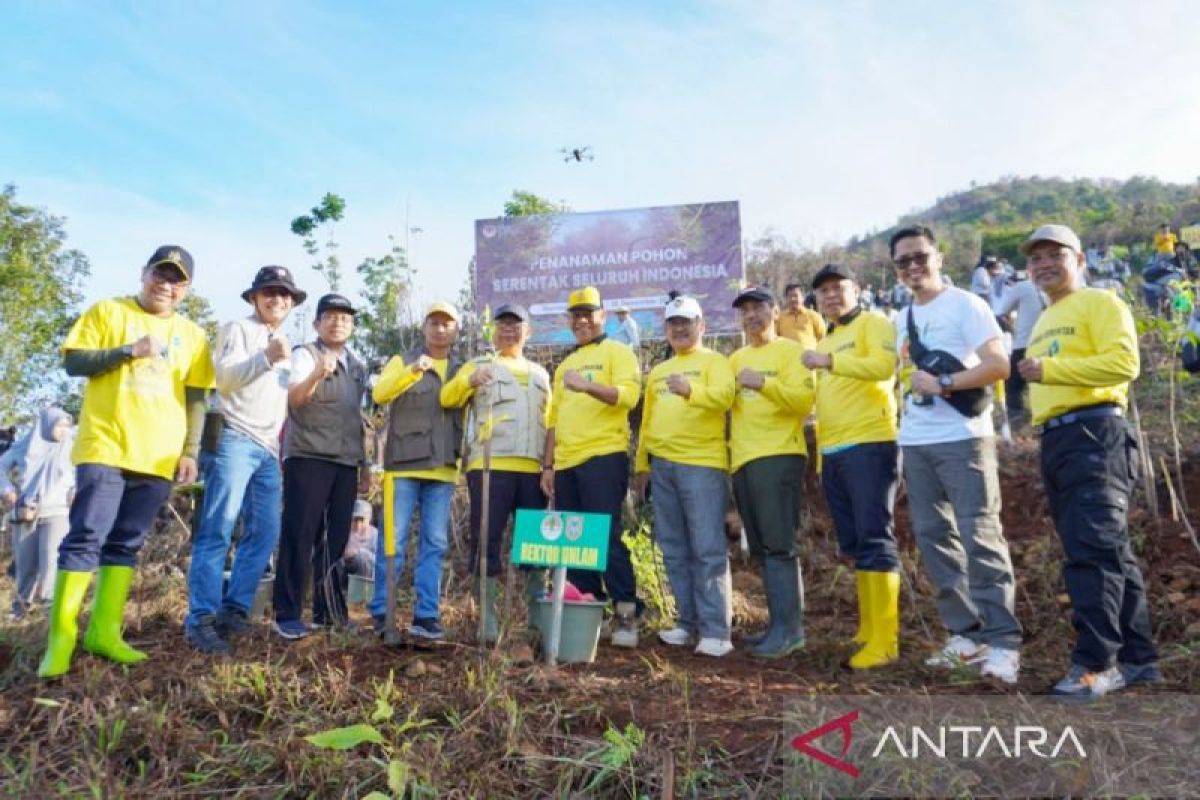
pixel 899 383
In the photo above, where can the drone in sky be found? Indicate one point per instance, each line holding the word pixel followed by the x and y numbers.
pixel 579 154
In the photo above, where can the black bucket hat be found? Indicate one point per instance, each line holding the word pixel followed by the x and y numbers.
pixel 280 277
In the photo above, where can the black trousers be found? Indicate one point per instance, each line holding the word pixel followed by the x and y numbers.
pixel 860 488
pixel 508 491
pixel 318 500
pixel 768 493
pixel 1089 470
pixel 599 485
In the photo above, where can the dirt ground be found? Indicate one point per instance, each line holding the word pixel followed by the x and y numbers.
pixel 481 725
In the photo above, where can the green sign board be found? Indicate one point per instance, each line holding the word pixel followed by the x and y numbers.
pixel 570 539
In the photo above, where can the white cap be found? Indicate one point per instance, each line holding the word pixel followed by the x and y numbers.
pixel 362 509
pixel 683 306
pixel 1059 234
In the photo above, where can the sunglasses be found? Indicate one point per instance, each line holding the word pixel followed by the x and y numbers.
pixel 920 259
pixel 169 275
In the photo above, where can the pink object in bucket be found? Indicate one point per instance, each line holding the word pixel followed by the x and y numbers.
pixel 573 595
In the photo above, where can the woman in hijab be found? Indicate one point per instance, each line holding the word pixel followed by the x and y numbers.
pixel 40 499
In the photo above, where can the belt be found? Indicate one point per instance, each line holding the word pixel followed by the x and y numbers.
pixel 1071 417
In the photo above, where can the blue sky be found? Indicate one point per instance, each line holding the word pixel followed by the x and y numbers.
pixel 212 125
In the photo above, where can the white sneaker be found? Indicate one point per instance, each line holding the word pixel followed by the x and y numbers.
pixel 1001 663
pixel 714 647
pixel 625 636
pixel 676 637
pixel 625 627
pixel 959 651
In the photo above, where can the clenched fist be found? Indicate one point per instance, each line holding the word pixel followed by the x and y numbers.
pixel 277 349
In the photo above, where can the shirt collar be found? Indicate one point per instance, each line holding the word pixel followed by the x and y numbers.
pixel 845 320
pixel 597 340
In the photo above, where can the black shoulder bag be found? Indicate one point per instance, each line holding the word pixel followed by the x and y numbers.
pixel 968 402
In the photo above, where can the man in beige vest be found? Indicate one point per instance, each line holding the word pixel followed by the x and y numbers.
pixel 509 398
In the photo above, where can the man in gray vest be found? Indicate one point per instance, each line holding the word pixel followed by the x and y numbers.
pixel 322 451
pixel 420 458
pixel 510 397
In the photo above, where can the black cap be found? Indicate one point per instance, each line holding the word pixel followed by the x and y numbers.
pixel 333 302
pixel 754 293
pixel 512 310
pixel 175 256
pixel 280 277
pixel 834 271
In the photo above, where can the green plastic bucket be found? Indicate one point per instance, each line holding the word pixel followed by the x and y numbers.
pixel 580 629
pixel 359 590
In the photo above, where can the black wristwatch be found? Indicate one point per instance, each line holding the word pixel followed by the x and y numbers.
pixel 946 382
pixel 127 351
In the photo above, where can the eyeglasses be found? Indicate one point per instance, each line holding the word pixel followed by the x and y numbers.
pixel 274 291
pixel 920 259
pixel 509 323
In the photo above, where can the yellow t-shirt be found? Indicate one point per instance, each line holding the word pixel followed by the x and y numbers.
pixel 457 392
pixel 687 430
pixel 396 379
pixel 134 416
pixel 583 426
pixel 1164 243
pixel 770 421
pixel 1087 343
pixel 804 326
pixel 856 399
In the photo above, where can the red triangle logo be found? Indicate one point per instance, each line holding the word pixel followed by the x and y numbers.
pixel 843 724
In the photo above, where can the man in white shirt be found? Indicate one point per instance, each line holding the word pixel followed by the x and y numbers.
pixel 240 463
pixel 949 458
pixel 1023 297
pixel 627 329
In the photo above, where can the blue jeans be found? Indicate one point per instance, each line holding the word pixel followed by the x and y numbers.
pixel 689 523
pixel 242 477
pixel 433 498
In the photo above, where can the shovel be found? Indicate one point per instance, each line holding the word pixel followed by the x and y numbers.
pixel 391 636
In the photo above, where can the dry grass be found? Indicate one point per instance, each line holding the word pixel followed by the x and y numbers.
pixel 468 724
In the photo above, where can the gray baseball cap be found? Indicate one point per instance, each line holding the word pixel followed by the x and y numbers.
pixel 1059 234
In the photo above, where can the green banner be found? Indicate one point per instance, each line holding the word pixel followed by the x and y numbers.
pixel 561 539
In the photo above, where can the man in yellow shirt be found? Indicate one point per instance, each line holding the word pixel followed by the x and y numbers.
pixel 1164 242
pixel 420 458
pixel 1081 357
pixel 147 371
pixel 510 404
pixel 683 457
pixel 797 321
pixel 856 431
pixel 767 457
pixel 587 448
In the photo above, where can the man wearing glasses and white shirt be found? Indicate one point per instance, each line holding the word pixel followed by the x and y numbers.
pixel 954 347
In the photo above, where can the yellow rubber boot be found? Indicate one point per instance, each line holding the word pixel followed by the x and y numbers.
pixel 884 611
pixel 69 589
pixel 103 637
pixel 863 634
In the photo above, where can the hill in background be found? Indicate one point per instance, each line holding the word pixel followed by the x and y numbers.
pixel 993 219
